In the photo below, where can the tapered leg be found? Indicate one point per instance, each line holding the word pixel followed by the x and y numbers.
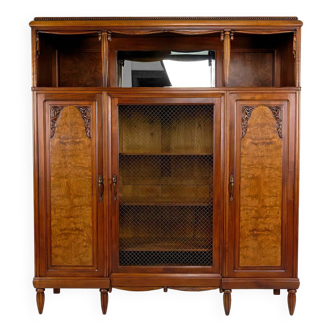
pixel 165 289
pixel 227 301
pixel 104 300
pixel 40 299
pixel 291 301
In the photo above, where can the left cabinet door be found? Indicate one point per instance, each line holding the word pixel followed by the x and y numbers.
pixel 69 180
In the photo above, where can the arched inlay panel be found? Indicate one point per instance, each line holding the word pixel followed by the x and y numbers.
pixel 261 186
pixel 71 187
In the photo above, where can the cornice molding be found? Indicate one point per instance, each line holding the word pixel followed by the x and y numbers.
pixel 232 18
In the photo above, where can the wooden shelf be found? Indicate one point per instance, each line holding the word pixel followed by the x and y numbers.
pixel 165 154
pixel 167 195
pixel 138 244
pixel 167 201
pixel 163 203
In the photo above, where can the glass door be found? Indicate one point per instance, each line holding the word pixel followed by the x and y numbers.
pixel 165 182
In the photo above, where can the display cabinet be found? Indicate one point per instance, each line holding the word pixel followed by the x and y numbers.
pixel 166 154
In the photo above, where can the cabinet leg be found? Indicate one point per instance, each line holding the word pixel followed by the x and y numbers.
pixel 57 291
pixel 40 299
pixel 104 300
pixel 227 301
pixel 291 301
pixel 276 291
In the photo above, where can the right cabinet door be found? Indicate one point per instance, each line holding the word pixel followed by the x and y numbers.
pixel 260 232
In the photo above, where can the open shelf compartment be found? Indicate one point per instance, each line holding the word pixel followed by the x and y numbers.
pixel 262 60
pixel 69 60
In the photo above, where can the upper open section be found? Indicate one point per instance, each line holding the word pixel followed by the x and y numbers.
pixel 166 52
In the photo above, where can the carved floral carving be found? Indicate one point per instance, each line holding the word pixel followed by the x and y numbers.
pixel 55 113
pixel 277 114
pixel 86 116
pixel 85 113
pixel 246 114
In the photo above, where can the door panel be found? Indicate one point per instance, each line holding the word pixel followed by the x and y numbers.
pixel 261 168
pixel 164 162
pixel 71 160
pixel 71 190
pixel 260 189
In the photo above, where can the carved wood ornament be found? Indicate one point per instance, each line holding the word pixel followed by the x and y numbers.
pixel 85 113
pixel 246 114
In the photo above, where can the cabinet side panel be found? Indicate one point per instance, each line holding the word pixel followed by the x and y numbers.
pixel 261 191
pixel 71 191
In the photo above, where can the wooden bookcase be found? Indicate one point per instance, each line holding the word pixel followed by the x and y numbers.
pixel 145 179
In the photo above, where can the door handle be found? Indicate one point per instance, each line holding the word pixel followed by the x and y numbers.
pixel 114 180
pixel 231 181
pixel 100 187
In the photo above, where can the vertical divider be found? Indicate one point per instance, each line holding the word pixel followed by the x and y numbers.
pixel 114 171
pixel 104 56
pixel 227 56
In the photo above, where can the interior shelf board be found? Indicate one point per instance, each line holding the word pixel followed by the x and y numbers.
pixel 166 245
pixel 144 249
pixel 164 154
pixel 151 203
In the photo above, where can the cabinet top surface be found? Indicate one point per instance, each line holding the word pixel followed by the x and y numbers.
pixel 165 18
pixel 168 21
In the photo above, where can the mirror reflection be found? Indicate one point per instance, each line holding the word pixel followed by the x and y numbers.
pixel 166 69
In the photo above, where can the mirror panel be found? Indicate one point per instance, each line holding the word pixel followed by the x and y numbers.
pixel 166 69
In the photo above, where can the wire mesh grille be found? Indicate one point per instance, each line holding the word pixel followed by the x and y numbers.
pixel 165 185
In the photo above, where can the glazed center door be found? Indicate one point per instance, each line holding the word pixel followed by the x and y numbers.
pixel 164 179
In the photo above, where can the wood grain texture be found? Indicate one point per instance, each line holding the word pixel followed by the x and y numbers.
pixel 261 191
pixel 82 68
pixel 151 130
pixel 71 191
pixel 63 63
pixel 251 69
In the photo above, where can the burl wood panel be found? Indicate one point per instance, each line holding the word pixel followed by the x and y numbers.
pixel 261 191
pixel 71 191
pixel 80 68
pixel 251 69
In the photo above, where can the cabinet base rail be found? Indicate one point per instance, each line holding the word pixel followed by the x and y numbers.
pixel 186 283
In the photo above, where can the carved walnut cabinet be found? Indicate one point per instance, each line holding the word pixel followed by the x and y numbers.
pixel 166 154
